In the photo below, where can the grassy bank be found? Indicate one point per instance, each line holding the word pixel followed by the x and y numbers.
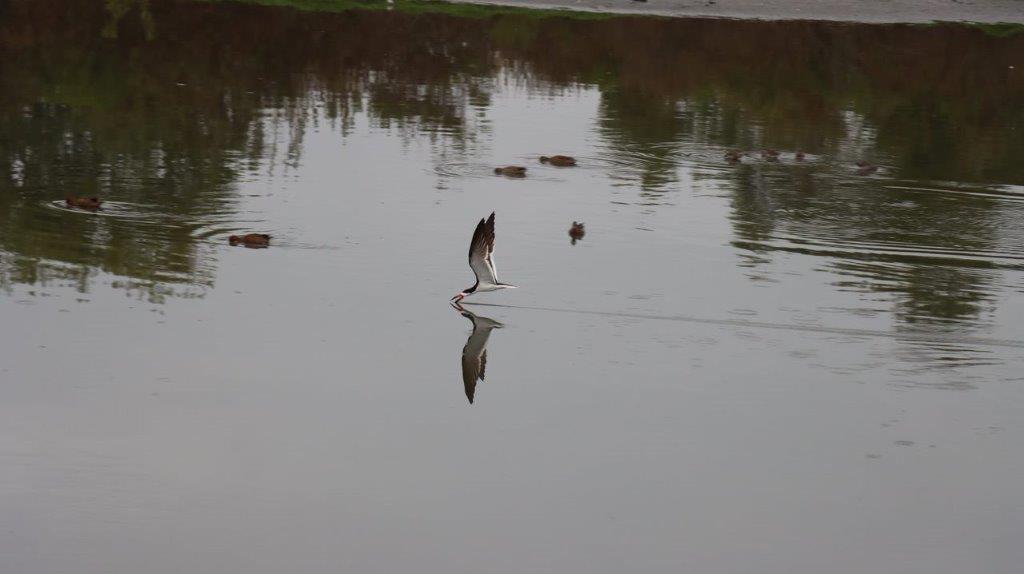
pixel 423 6
pixel 466 10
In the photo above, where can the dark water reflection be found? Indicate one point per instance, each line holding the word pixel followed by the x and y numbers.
pixel 777 366
pixel 169 106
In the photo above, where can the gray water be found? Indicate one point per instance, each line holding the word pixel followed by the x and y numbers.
pixel 771 366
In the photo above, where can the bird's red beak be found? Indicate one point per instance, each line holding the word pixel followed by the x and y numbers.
pixel 458 297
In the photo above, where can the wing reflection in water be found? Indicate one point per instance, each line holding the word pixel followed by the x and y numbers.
pixel 474 354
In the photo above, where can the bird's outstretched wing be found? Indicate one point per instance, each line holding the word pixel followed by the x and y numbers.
pixel 481 252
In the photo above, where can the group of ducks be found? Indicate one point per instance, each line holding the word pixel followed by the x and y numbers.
pixel 520 171
pixel 735 156
pixel 577 231
pixel 255 240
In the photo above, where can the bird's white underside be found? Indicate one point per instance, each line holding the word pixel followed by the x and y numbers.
pixel 484 287
pixel 481 260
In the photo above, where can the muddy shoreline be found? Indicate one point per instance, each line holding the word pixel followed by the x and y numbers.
pixel 895 11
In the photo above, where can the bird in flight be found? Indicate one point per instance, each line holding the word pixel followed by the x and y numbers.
pixel 481 261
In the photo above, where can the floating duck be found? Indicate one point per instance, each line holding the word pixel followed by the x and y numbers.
pixel 511 171
pixel 799 156
pixel 770 154
pixel 866 168
pixel 559 160
pixel 733 156
pixel 576 232
pixel 90 203
pixel 250 240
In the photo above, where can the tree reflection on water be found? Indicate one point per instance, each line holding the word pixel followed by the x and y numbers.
pixel 167 104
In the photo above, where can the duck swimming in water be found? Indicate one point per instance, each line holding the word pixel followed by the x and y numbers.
pixel 250 240
pixel 90 203
pixel 559 160
pixel 511 171
pixel 576 232
pixel 866 168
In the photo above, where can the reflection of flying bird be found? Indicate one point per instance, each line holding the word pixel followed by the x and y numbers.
pixel 481 261
pixel 474 354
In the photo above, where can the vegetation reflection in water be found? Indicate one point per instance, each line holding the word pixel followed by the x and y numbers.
pixel 163 107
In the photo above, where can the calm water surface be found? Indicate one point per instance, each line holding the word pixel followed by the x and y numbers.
pixel 769 366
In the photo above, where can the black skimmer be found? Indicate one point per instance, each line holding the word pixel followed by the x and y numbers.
pixel 474 354
pixel 481 261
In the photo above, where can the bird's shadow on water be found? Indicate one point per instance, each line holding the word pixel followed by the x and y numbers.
pixel 474 353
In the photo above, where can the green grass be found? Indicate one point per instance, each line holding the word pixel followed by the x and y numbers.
pixel 996 30
pixel 1001 29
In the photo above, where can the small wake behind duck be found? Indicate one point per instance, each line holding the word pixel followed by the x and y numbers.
pixel 103 208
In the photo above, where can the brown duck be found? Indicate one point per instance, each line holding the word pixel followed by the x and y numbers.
pixel 866 168
pixel 250 240
pixel 576 232
pixel 733 156
pixel 559 160
pixel 90 203
pixel 770 154
pixel 511 171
